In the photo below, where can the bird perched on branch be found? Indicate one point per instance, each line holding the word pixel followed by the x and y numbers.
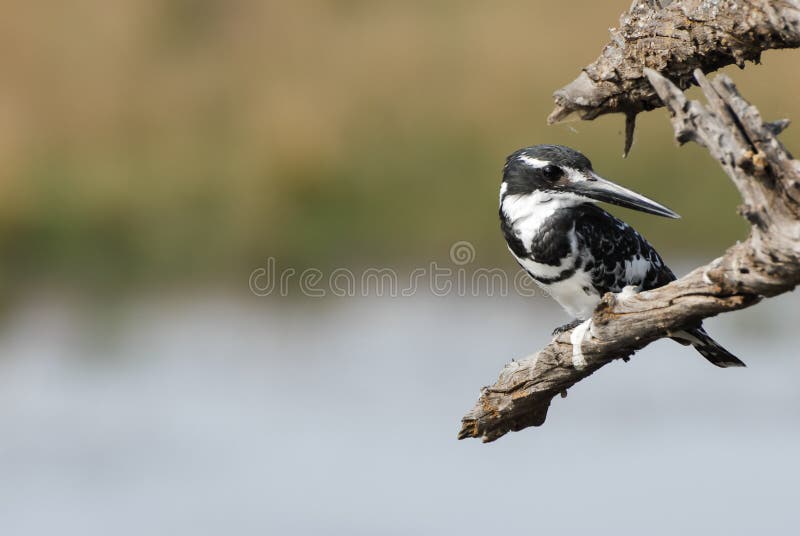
pixel 575 250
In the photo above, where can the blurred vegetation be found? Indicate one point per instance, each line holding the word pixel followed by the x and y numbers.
pixel 148 141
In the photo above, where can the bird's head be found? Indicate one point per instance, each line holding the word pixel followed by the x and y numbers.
pixel 564 175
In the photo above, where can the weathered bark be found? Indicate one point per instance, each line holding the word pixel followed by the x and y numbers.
pixel 766 264
pixel 674 38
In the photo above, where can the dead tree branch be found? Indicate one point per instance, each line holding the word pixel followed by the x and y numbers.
pixel 766 264
pixel 674 38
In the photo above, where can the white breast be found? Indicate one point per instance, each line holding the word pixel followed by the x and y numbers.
pixel 572 295
pixel 576 294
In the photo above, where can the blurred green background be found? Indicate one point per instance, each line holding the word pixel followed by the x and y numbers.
pixel 156 142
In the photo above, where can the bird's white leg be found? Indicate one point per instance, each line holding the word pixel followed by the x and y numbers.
pixel 576 338
pixel 578 334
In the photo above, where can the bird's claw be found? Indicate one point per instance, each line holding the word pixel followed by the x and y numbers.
pixel 566 327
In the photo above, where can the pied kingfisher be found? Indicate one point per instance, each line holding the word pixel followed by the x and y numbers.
pixel 575 250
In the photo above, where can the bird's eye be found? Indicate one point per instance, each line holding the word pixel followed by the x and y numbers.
pixel 552 172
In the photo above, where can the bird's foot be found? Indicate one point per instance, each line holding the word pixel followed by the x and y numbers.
pixel 629 291
pixel 566 327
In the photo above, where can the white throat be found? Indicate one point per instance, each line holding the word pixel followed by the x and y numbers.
pixel 527 212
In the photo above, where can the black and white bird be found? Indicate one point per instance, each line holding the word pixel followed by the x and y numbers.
pixel 575 250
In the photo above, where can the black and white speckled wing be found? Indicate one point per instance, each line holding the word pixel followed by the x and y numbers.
pixel 616 255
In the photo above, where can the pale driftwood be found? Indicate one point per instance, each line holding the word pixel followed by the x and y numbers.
pixel 674 38
pixel 766 264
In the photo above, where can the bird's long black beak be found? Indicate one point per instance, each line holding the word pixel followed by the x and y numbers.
pixel 595 187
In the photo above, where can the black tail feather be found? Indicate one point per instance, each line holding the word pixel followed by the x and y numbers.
pixel 708 347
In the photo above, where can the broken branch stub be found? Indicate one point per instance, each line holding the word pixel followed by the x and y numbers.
pixel 674 39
